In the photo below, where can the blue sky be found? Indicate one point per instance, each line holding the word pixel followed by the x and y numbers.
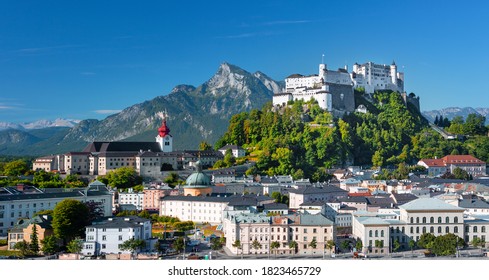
pixel 87 59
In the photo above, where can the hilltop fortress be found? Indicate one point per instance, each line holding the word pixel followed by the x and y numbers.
pixel 333 89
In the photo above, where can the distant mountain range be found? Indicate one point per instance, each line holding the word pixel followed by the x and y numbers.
pixel 195 114
pixel 39 124
pixel 456 111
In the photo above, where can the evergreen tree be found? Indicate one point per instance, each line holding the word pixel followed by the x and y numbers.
pixel 34 245
pixel 436 121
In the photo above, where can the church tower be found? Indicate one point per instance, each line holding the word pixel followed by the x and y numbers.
pixel 164 139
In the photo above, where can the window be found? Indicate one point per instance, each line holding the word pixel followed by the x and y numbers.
pixel 432 220
pixel 305 230
pixel 439 229
pixel 455 229
pixel 381 233
pixel 104 237
pixel 432 230
pixel 439 220
pixel 447 220
pixel 424 229
pixel 370 233
pixel 447 229
pixel 412 220
pixel 455 220
pixel 474 229
pixel 424 220
pixel 417 220
pixel 412 230
pixel 103 246
pixel 120 237
pixel 483 229
pixel 417 229
pixel 376 233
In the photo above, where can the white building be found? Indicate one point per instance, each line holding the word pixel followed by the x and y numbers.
pixel 106 236
pixel 310 194
pixel 23 201
pixel 133 198
pixel 237 151
pixel 374 77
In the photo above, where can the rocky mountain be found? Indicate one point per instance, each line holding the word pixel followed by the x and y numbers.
pixel 194 114
pixel 456 111
pixel 40 124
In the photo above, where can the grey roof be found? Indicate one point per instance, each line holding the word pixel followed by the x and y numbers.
pixel 268 180
pixel 355 199
pixel 52 193
pixel 314 220
pixel 366 220
pixel 275 206
pixel 313 203
pixel 232 147
pixel 424 204
pixel 314 190
pixel 403 198
pixel 121 147
pixel 380 201
pixel 473 203
pixel 119 222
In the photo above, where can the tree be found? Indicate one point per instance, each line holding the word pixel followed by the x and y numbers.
pixel 75 246
pixel 426 240
pixel 216 244
pixel 273 246
pixel 359 245
pixel 229 159
pixel 478 242
pixel 172 179
pixel 49 245
pixel 396 245
pixel 15 168
pixel 23 248
pixel 204 146
pixel 379 243
pixel 123 177
pixel 95 210
pixel 345 244
pixel 237 245
pixel 313 244
pixel 293 245
pixel 412 244
pixel 133 245
pixel 34 245
pixel 256 245
pixel 461 174
pixel 69 219
pixel 179 244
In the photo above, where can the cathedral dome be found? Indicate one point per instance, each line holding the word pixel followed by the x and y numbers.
pixel 198 183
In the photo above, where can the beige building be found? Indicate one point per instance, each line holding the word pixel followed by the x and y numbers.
pixel 250 228
pixel 22 231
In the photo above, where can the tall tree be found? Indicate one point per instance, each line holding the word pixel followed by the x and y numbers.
pixel 204 146
pixel 274 246
pixel 34 245
pixel 15 168
pixel 69 219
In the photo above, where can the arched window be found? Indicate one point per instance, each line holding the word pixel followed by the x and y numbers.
pixel 381 233
pixel 397 230
pixel 447 229
pixel 424 229
pixel 439 220
pixel 432 230
pixel 439 229
pixel 455 220
pixel 455 229
pixel 376 233
pixel 417 220
pixel 483 229
pixel 467 228
pixel 474 229
pixel 424 220
pixel 417 229
pixel 447 220
pixel 432 220
pixel 412 230
pixel 370 233
pixel 412 220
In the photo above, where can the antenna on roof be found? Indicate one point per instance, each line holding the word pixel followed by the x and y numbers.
pixel 322 59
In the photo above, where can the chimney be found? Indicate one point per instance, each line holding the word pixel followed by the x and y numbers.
pixel 20 187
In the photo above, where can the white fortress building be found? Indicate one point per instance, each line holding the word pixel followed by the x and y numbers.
pixel 333 89
pixel 374 77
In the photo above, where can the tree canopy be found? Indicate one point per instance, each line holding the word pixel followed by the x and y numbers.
pixel 69 219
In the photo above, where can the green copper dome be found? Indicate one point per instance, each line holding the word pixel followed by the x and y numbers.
pixel 198 179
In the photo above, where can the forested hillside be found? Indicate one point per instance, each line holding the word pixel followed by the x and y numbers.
pixel 303 140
